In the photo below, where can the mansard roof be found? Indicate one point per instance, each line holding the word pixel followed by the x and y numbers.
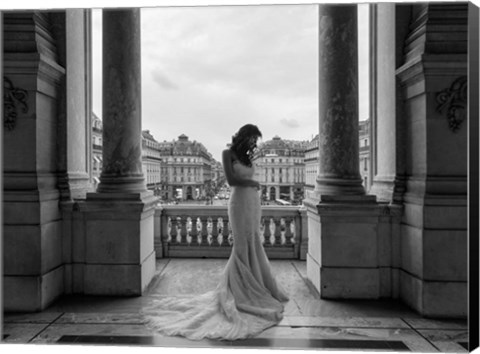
pixel 147 135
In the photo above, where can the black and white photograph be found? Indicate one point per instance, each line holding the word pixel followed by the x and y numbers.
pixel 290 176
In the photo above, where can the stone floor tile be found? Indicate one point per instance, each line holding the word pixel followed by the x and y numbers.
pixel 410 338
pixel 22 332
pixel 291 309
pixel 54 332
pixel 354 308
pixel 100 304
pixel 38 317
pixel 301 267
pixel 100 318
pixel 424 323
pixel 180 276
pixel 291 281
pixel 446 340
pixel 360 322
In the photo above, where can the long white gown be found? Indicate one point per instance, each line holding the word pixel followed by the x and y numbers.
pixel 247 299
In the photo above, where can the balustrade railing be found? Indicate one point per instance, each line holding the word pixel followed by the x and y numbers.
pixel 197 231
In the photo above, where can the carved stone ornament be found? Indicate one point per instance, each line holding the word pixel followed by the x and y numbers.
pixel 453 101
pixel 13 99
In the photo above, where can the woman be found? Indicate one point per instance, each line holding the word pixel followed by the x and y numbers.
pixel 247 299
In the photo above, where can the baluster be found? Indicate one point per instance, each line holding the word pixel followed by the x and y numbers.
pixel 178 230
pixel 169 229
pixel 220 231
pixel 291 228
pixel 209 230
pixel 272 227
pixel 189 230
pixel 283 238
pixel 266 231
pixel 199 230
pixel 262 230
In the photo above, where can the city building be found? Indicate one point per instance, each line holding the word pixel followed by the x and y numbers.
pixel 97 154
pixel 151 162
pixel 364 152
pixel 187 170
pixel 280 169
pixel 311 164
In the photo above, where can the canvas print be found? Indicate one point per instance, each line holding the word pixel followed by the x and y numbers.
pixel 298 176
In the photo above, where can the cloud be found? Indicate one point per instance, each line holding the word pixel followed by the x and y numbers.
pixel 206 71
pixel 290 123
pixel 162 80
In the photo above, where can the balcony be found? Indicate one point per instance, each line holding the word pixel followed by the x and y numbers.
pixel 193 231
pixel 309 322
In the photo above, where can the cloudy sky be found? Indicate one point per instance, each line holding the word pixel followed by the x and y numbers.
pixel 206 71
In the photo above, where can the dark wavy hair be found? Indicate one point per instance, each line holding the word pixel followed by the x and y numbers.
pixel 243 146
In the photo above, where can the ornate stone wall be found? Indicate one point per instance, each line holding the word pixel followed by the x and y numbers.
pixel 433 276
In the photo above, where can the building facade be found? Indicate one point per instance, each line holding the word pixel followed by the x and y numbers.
pixel 187 171
pixel 280 169
pixel 97 154
pixel 311 163
pixel 364 152
pixel 151 162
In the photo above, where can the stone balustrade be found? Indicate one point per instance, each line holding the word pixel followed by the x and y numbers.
pixel 193 231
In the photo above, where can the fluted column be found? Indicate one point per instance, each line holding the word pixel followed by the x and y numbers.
pixel 338 101
pixel 122 143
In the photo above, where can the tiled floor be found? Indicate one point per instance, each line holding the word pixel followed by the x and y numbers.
pixel 309 322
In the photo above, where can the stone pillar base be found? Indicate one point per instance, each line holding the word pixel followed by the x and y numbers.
pixel 32 257
pixel 119 243
pixel 389 190
pixel 434 299
pixel 344 249
pixel 32 293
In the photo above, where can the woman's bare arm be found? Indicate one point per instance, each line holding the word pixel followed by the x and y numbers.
pixel 232 179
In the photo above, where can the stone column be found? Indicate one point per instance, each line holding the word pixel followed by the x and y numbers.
pixel 119 219
pixel 122 114
pixel 343 248
pixel 338 101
